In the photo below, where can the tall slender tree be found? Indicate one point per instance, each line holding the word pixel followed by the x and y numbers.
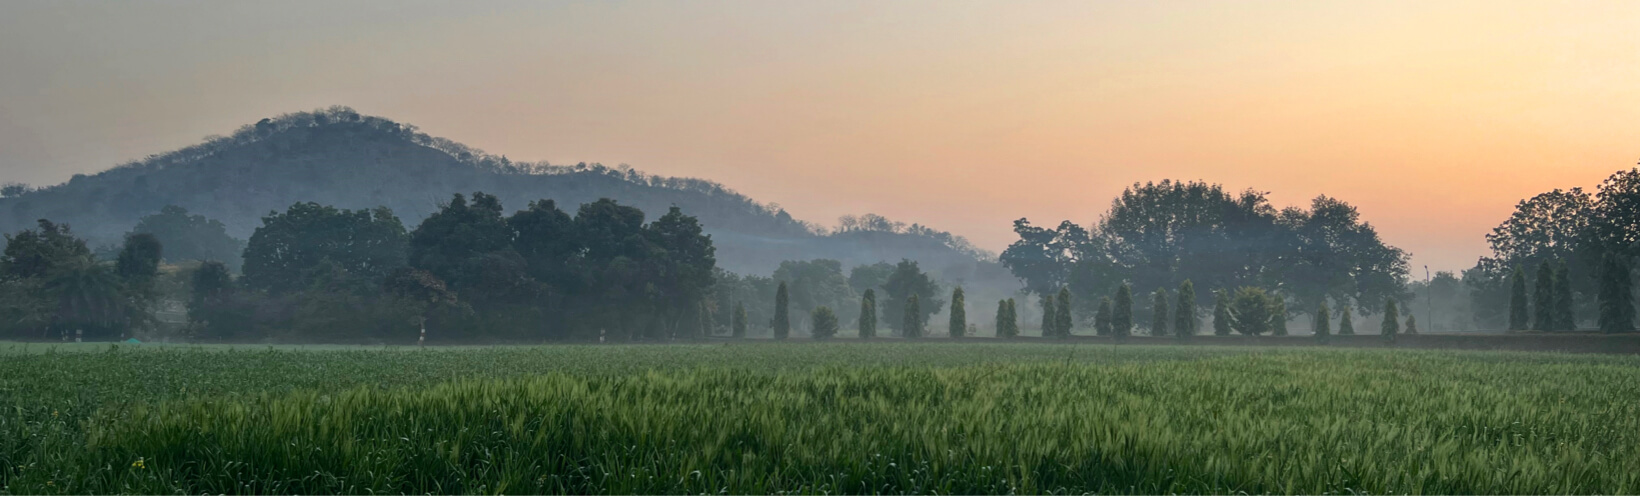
pixel 1543 298
pixel 959 314
pixel 868 315
pixel 1002 319
pixel 1221 313
pixel 1121 319
pixel 1346 324
pixel 738 327
pixel 782 319
pixel 1158 313
pixel 1062 314
pixel 1616 296
pixel 1013 318
pixel 1392 318
pixel 1412 325
pixel 1519 318
pixel 1565 317
pixel 1048 317
pixel 913 318
pixel 1101 318
pixel 1323 323
pixel 1184 322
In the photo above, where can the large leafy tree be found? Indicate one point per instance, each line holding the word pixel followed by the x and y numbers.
pixel 815 283
pixel 688 261
pixel 34 253
pixel 908 279
pixel 1616 295
pixel 1329 253
pixel 191 237
pixel 366 243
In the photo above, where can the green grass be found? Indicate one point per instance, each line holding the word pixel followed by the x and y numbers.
pixel 840 417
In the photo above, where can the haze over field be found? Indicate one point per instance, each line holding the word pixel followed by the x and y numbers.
pixel 1432 119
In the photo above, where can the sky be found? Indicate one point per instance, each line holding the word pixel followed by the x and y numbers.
pixel 1433 118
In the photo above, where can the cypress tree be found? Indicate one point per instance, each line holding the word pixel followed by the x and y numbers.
pixel 1566 319
pixel 1323 323
pixel 737 324
pixel 1101 318
pixel 1346 324
pixel 1392 321
pixel 868 315
pixel 1062 314
pixel 959 314
pixel 913 318
pixel 782 320
pixel 824 322
pixel 1158 313
pixel 1048 317
pixel 1616 296
pixel 1184 322
pixel 1121 319
pixel 1412 324
pixel 1543 298
pixel 1013 319
pixel 1002 319
pixel 1518 319
pixel 1221 313
pixel 1278 316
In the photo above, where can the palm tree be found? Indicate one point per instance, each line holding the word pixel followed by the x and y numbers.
pixel 87 294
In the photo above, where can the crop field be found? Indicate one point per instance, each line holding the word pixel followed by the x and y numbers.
pixel 815 418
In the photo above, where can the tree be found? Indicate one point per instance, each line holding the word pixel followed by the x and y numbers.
pixel 864 278
pixel 1323 323
pixel 868 314
pixel 1221 313
pixel 1062 314
pixel 138 265
pixel 1252 311
pixel 1346 326
pixel 907 280
pixel 1328 252
pixel 1391 324
pixel 212 304
pixel 1121 320
pixel 290 245
pixel 1102 318
pixel 34 253
pixel 1013 319
pixel 1616 296
pixel 815 283
pixel 738 327
pixel 688 262
pixel 1412 324
pixel 912 326
pixel 1278 316
pixel 1543 302
pixel 824 323
pixel 708 327
pixel 1158 313
pixel 1002 319
pixel 959 314
pixel 191 237
pixel 782 323
pixel 1565 315
pixel 1185 323
pixel 1518 315
pixel 1049 318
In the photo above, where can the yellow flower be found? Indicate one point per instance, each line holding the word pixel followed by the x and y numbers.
pixel 139 464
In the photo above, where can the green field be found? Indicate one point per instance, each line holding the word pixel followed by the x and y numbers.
pixel 812 418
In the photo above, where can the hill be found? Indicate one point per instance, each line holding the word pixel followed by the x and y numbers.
pixel 339 157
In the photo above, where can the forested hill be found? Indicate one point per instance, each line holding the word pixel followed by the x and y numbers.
pixel 339 157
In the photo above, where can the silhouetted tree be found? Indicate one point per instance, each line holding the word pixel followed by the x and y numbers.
pixel 1049 317
pixel 868 314
pixel 1102 318
pixel 1519 317
pixel 1346 325
pixel 1565 316
pixel 906 280
pixel 291 245
pixel 1616 296
pixel 1412 324
pixel 1185 323
pixel 959 314
pixel 782 321
pixel 1543 302
pixel 824 322
pixel 1158 313
pixel 213 309
pixel 1003 330
pixel 1121 320
pixel 1323 323
pixel 1252 310
pixel 1062 322
pixel 191 237
pixel 1391 324
pixel 1278 316
pixel 137 266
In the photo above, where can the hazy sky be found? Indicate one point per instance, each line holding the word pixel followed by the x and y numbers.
pixel 1432 118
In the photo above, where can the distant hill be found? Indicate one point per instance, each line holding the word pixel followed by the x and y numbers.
pixel 339 157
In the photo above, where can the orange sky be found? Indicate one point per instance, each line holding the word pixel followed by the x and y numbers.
pixel 1432 118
